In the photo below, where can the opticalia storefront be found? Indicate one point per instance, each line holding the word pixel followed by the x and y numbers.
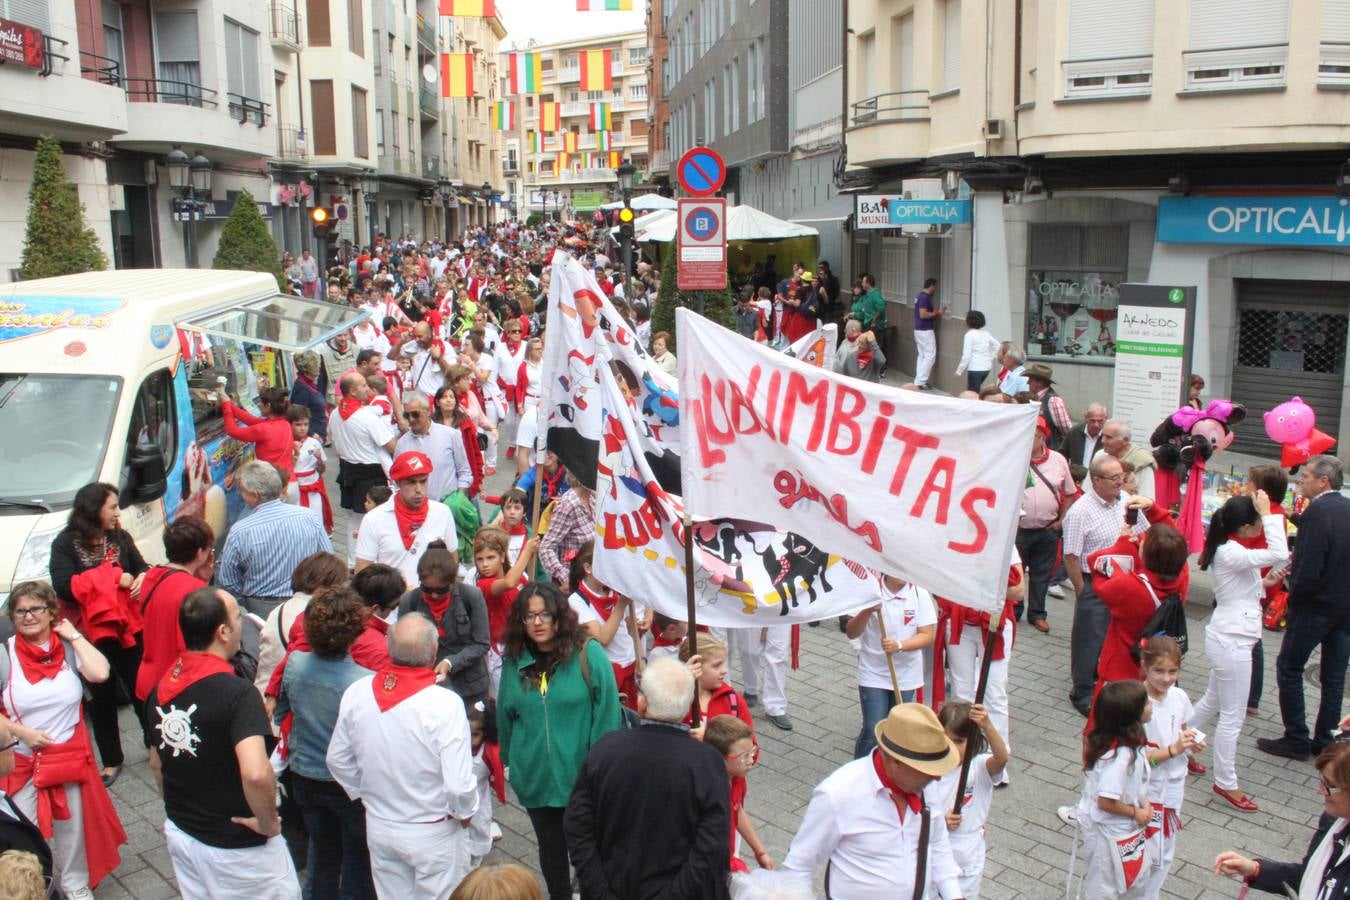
pixel 1272 275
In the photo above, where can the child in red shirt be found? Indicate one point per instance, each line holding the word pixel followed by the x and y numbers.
pixel 499 585
pixel 715 696
pixel 733 739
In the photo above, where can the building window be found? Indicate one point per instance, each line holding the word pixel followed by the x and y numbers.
pixel 241 73
pixel 320 26
pixel 902 56
pixel 727 125
pixel 180 69
pixel 1110 48
pixel 33 13
pixel 637 56
pixel 637 91
pixel 731 11
pixel 379 131
pixel 951 45
pixel 1074 274
pixel 112 34
pixel 360 128
pixel 571 61
pixel 321 109
pixel 356 29
pixel 710 110
pixel 1237 44
pixel 1333 59
pixel 637 127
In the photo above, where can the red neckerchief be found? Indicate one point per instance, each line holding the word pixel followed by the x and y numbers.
pixel 347 407
pixel 394 684
pixel 409 520
pixel 864 356
pixel 601 603
pixel 512 347
pixel 38 663
pixel 901 798
pixel 439 607
pixel 663 641
pixel 187 671
pixel 306 380
pixel 520 528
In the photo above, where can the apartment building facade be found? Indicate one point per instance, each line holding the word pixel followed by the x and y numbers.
pixel 658 85
pixel 588 179
pixel 1086 143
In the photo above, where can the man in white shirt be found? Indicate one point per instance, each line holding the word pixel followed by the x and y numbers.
pixel 359 433
pixel 430 362
pixel 402 746
pixel 398 531
pixel 437 264
pixel 867 818
pixel 443 445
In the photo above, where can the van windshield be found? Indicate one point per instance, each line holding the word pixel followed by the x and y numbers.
pixel 54 431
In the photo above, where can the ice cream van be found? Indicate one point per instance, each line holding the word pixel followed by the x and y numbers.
pixel 114 376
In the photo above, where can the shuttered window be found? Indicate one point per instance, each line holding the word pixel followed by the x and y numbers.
pixel 1229 24
pixel 241 61
pixel 318 20
pixel 1336 21
pixel 321 107
pixel 180 69
pixel 1333 62
pixel 356 29
pixel 1100 29
pixel 32 13
pixel 951 45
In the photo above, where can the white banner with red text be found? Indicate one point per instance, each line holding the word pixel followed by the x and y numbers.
pixel 923 487
pixel 745 573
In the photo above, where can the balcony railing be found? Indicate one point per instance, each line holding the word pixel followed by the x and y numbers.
pixel 893 106
pixel 400 163
pixel 100 68
pixel 589 175
pixel 661 161
pixel 292 143
pixel 246 110
pixel 426 33
pixel 429 102
pixel 285 25
pixel 583 107
pixel 163 90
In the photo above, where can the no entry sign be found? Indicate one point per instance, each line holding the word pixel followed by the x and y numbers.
pixel 701 172
pixel 701 242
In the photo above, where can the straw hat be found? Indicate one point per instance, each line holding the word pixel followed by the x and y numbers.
pixel 912 735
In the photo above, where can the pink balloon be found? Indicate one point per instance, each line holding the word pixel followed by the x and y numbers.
pixel 1290 422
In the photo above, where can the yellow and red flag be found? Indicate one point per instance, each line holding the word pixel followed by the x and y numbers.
pixel 561 165
pixel 456 74
pixel 615 159
pixel 597 70
pixel 569 142
pixel 468 7
pixel 549 115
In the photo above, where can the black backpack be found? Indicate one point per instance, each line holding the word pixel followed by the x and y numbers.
pixel 1169 618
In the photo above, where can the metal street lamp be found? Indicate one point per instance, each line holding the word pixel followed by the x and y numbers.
pixel 370 189
pixel 446 192
pixel 191 180
pixel 627 179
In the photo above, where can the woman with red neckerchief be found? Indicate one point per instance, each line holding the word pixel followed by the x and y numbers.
pixel 47 658
pixel 529 378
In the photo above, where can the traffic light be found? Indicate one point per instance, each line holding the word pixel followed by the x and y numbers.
pixel 626 223
pixel 322 220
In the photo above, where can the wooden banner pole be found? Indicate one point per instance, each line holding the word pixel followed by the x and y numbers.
pixel 995 628
pixel 890 659
pixel 695 711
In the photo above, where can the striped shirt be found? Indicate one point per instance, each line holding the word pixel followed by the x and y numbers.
pixel 263 549
pixel 571 526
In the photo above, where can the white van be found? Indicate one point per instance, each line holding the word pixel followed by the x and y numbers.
pixel 111 376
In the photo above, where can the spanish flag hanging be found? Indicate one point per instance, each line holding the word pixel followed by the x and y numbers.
pixel 569 142
pixel 601 117
pixel 504 115
pixel 597 72
pixel 525 73
pixel 468 7
pixel 561 165
pixel 456 74
pixel 615 159
pixel 549 115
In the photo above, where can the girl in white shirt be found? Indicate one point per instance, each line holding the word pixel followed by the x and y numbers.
pixel 979 349
pixel 1114 809
pixel 1169 740
pixel 970 729
pixel 911 625
pixel 1236 625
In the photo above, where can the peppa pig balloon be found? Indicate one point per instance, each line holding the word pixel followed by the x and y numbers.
pixel 1292 426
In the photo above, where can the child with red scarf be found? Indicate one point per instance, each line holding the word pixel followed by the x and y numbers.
pixel 734 739
pixel 604 613
pixel 491 775
pixel 499 586
pixel 1275 603
pixel 667 636
pixel 715 696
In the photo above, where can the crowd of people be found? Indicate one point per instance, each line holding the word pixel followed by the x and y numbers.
pixel 465 644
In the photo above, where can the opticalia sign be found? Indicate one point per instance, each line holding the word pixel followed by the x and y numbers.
pixel 891 211
pixel 1283 221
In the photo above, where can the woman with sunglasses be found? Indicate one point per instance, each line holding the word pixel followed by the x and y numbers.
pixel 461 622
pixel 557 698
pixel 48 661
pixel 1324 872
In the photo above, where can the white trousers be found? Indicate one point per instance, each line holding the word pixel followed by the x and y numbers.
pixel 1230 679
pixel 494 662
pixel 409 861
pixel 70 870
pixel 926 344
pixel 353 526
pixel 1153 887
pixel 494 415
pixel 963 662
pixel 762 663
pixel 210 873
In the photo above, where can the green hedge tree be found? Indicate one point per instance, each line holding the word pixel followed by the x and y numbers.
pixel 246 244
pixel 58 241
pixel 717 305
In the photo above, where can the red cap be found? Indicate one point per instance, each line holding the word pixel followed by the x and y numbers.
pixel 409 465
pixel 1040 426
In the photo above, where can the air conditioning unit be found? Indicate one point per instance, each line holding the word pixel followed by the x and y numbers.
pixel 993 129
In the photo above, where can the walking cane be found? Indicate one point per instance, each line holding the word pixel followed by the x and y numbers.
pixel 890 658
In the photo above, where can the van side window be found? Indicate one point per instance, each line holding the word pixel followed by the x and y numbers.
pixel 154 425
pixel 215 358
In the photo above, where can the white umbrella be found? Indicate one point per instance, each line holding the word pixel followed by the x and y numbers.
pixel 744 223
pixel 644 203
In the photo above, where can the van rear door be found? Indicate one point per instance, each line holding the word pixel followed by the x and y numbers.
pixel 282 321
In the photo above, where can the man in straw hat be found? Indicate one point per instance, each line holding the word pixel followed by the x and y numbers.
pixel 869 820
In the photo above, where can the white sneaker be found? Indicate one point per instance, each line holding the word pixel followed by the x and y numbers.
pixel 81 894
pixel 1068 815
pixel 496 832
pixel 1055 591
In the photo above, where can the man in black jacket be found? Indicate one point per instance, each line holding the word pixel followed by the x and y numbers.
pixel 1319 612
pixel 1085 439
pixel 650 812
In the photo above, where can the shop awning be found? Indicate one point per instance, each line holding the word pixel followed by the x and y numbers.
pixel 282 321
pixel 744 223
pixel 836 209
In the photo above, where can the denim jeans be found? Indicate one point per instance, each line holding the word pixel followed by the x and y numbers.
pixel 876 705
pixel 339 862
pixel 1309 628
pixel 1038 548
pixel 1090 621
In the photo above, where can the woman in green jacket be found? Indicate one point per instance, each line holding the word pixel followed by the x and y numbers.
pixel 557 698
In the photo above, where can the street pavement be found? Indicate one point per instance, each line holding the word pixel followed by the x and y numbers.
pixel 1028 846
